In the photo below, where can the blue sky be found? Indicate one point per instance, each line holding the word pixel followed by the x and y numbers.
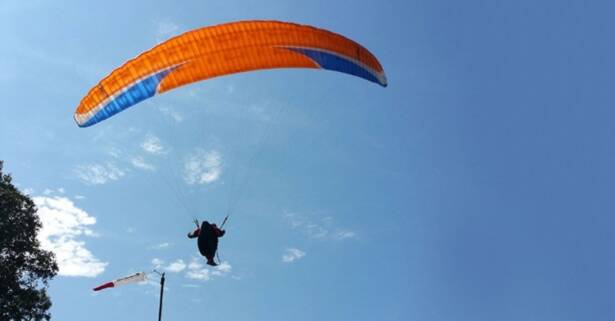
pixel 477 186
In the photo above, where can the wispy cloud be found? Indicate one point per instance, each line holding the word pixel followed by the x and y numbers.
pixel 166 30
pixel 153 145
pixel 203 167
pixel 176 116
pixel 140 163
pixel 63 224
pixel 176 266
pixel 197 271
pixel 50 191
pixel 190 285
pixel 114 152
pixel 344 234
pixel 292 254
pixel 318 228
pixel 161 246
pixel 222 269
pixel 157 263
pixel 98 174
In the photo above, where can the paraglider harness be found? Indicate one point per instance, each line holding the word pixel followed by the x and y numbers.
pixel 198 226
pixel 196 222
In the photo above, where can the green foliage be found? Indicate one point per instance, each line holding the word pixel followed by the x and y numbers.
pixel 25 268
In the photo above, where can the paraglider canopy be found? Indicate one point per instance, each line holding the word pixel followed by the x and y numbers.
pixel 221 50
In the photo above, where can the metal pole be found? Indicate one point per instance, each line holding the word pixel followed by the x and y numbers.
pixel 161 293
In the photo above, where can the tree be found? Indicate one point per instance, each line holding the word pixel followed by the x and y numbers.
pixel 25 268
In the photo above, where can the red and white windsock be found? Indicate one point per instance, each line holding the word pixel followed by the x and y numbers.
pixel 137 277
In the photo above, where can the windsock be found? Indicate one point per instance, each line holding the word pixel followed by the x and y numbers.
pixel 137 277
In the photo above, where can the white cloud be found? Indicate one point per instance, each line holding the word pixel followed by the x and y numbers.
pixel 197 271
pixel 49 191
pixel 157 263
pixel 222 269
pixel 63 224
pixel 166 30
pixel 176 116
pixel 203 167
pixel 161 246
pixel 292 254
pixel 295 220
pixel 316 231
pixel 153 145
pixel 323 228
pixel 114 152
pixel 152 283
pixel 344 234
pixel 190 285
pixel 99 173
pixel 140 163
pixel 176 266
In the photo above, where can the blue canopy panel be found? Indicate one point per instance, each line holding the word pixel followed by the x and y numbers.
pixel 333 61
pixel 130 95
